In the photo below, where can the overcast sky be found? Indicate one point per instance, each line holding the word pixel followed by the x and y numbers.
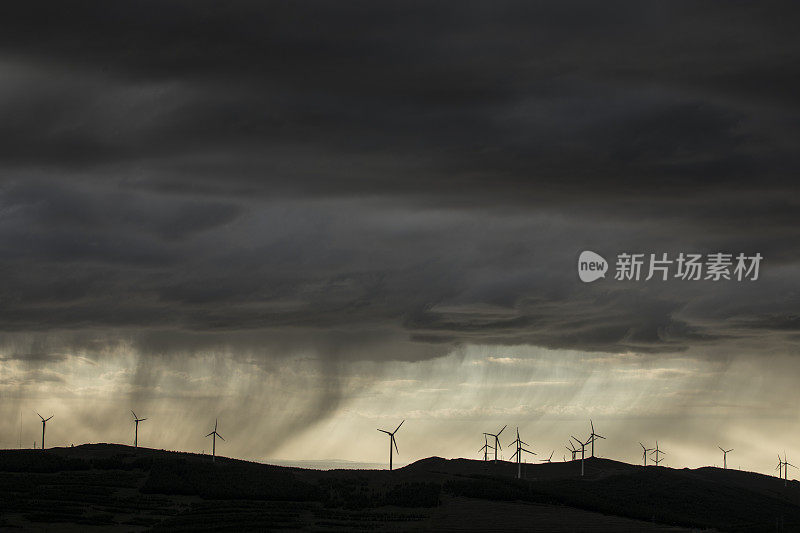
pixel 313 219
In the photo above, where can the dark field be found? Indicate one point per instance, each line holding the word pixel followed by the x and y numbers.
pixel 106 487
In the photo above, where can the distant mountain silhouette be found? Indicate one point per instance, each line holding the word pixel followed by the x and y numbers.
pixel 126 488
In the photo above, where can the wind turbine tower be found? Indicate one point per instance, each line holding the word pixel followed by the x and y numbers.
pixel 214 436
pixel 594 436
pixel 519 444
pixel 392 442
pixel 786 466
pixel 583 450
pixel 485 449
pixel 657 459
pixel 496 440
pixel 136 420
pixel 44 424
pixel 644 453
pixel 725 457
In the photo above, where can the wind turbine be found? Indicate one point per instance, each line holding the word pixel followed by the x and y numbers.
pixel 779 468
pixel 392 441
pixel 496 441
pixel 214 436
pixel 519 443
pixel 583 450
pixel 657 460
pixel 786 466
pixel 724 456
pixel 485 448
pixel 572 449
pixel 644 453
pixel 44 424
pixel 136 419
pixel 594 436
pixel 549 459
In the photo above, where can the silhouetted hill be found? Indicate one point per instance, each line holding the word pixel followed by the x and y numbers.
pixel 114 487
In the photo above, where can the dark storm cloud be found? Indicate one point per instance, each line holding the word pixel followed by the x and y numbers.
pixel 388 180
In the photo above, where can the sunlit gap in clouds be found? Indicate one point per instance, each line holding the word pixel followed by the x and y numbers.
pixel 302 407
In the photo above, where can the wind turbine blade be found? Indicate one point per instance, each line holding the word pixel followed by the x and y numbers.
pixel 504 427
pixel 398 427
pixel 210 434
pixel 134 414
pixel 216 420
pixel 40 416
pixel 142 419
pixel 384 431
pixel 515 453
pixel 220 436
pixel 591 424
pixel 395 445
pixel 720 447
pixel 528 451
pixel 48 418
pixel 599 436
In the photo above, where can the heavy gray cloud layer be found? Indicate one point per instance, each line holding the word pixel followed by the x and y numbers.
pixel 390 180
